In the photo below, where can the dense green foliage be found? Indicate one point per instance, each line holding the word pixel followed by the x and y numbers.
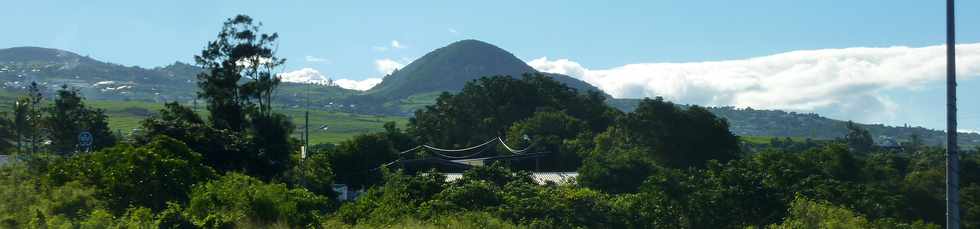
pixel 555 132
pixel 487 107
pixel 8 133
pixel 356 161
pixel 804 213
pixel 235 198
pixel 221 149
pixel 150 175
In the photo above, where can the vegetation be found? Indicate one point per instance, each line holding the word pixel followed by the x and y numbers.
pixel 659 166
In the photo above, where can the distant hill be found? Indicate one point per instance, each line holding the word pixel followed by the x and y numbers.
pixel 97 80
pixel 108 81
pixel 777 123
pixel 450 67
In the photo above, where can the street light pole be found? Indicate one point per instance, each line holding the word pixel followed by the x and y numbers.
pixel 952 157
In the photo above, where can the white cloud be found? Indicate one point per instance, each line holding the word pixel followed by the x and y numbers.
pixel 972 131
pixel 305 75
pixel 317 59
pixel 309 75
pixel 360 85
pixel 387 66
pixel 453 31
pixel 846 81
pixel 394 44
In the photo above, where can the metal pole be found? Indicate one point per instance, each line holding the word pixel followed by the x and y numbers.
pixel 952 158
pixel 306 138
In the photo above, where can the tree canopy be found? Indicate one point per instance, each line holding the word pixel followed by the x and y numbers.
pixel 487 107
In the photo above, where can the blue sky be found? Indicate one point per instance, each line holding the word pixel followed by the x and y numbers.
pixel 344 39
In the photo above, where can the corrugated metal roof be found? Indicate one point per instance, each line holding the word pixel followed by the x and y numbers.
pixel 540 177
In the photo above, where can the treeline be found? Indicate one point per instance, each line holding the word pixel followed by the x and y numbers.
pixel 659 166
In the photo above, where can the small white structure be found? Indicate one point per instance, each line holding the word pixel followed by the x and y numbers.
pixel 341 190
pixel 4 159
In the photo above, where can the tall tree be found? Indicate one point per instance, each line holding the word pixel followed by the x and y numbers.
pixel 238 85
pixel 240 53
pixel 34 115
pixel 8 136
pixel 487 107
pixel 221 149
pixel 858 139
pixel 679 137
pixel 68 117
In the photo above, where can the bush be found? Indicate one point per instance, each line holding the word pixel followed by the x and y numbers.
pixel 25 200
pixel 148 176
pixel 805 213
pixel 237 198
pixel 314 174
pixel 399 197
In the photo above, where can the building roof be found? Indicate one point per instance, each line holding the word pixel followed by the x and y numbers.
pixel 539 177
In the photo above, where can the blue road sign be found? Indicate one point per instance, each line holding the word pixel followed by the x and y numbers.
pixel 85 139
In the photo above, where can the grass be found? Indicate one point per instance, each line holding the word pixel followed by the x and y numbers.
pixel 325 126
pixel 418 101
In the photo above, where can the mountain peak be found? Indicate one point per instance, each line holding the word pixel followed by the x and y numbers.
pixel 449 68
pixel 472 43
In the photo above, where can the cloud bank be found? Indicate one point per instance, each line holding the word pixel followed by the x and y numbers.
pixel 387 66
pixel 305 75
pixel 844 81
pixel 309 75
pixel 360 85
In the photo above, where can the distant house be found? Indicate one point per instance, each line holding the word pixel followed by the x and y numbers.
pixel 888 143
pixel 4 159
pixel 346 194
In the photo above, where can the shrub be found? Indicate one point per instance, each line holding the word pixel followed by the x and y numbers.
pixel 805 213
pixel 149 176
pixel 238 198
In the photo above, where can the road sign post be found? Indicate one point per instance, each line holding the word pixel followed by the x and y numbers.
pixel 85 140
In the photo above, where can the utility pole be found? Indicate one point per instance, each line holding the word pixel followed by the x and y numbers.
pixel 306 138
pixel 952 157
pixel 17 125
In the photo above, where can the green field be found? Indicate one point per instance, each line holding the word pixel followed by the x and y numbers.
pixel 125 116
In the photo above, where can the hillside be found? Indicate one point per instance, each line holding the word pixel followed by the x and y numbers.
pixel 776 123
pixel 108 81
